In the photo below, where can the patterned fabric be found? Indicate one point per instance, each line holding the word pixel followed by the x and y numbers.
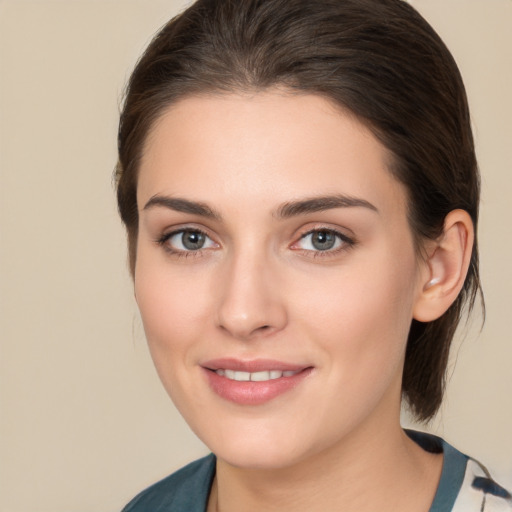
pixel 465 485
pixel 480 493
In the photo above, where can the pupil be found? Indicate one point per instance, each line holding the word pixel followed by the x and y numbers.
pixel 192 240
pixel 323 240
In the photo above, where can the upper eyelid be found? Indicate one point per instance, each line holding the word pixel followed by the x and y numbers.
pixel 343 232
pixel 173 230
pixel 331 230
pixel 344 238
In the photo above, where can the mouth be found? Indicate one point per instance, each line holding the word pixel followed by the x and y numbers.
pixel 262 376
pixel 253 382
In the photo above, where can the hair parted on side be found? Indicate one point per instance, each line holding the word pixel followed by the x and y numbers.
pixel 378 59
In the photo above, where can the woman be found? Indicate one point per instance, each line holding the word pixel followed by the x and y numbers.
pixel 300 191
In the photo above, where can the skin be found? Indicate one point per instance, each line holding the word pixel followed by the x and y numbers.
pixel 260 289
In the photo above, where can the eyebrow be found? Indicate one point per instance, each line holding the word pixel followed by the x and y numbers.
pixel 323 203
pixel 182 205
pixel 287 210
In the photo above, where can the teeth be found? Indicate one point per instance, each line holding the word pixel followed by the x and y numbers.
pixel 242 376
pixel 261 376
pixel 255 376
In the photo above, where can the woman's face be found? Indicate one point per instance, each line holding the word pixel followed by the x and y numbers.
pixel 276 274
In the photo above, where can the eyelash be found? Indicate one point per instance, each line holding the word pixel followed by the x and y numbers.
pixel 346 243
pixel 180 253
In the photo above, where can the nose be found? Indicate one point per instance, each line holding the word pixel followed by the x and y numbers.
pixel 251 301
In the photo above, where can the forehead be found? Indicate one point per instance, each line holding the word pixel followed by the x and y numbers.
pixel 264 147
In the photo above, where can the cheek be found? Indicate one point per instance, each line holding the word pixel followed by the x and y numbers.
pixel 173 306
pixel 174 315
pixel 362 313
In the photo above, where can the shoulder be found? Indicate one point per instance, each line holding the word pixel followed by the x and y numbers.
pixel 185 490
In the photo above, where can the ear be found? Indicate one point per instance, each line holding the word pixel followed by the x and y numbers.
pixel 445 268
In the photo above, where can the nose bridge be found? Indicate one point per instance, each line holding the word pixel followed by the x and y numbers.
pixel 250 303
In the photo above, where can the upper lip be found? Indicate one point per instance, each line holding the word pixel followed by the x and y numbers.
pixel 251 366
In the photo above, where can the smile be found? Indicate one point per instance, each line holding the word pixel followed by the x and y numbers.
pixel 260 376
pixel 252 383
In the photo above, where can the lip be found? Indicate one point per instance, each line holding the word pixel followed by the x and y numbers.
pixel 250 392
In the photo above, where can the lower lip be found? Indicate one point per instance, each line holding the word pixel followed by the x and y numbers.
pixel 253 393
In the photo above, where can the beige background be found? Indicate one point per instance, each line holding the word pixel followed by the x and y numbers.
pixel 84 422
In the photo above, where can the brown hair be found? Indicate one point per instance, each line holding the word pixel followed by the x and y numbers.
pixel 377 58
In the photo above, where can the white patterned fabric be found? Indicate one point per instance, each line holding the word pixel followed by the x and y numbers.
pixel 479 493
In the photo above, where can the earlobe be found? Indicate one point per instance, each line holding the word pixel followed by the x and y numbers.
pixel 446 267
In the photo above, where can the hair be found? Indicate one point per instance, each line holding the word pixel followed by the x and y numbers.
pixel 378 59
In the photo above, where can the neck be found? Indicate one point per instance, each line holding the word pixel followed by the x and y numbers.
pixel 368 472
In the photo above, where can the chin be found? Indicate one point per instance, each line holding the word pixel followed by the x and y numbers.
pixel 254 456
pixel 257 445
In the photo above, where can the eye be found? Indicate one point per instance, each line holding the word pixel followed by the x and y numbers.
pixel 187 240
pixel 323 240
